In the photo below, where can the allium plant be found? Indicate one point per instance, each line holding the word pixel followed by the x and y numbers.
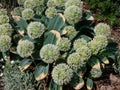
pixel 55 41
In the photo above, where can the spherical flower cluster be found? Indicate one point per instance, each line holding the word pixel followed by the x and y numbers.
pixel 102 29
pixel 27 14
pixel 98 43
pixel 72 2
pixel 73 14
pixel 21 2
pixel 25 48
pixel 3 12
pixel 102 40
pixel 4 19
pixel 51 12
pixel 95 73
pixel 6 29
pixel 71 32
pixel 38 2
pixel 5 43
pixel 49 53
pixel 60 2
pixel 29 4
pixel 62 74
pixel 64 44
pixel 35 29
pixel 79 43
pixel 75 61
pixel 84 52
pixel 51 3
pixel 18 11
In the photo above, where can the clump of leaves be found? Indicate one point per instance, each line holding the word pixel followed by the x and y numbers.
pixel 15 79
pixel 108 9
pixel 60 45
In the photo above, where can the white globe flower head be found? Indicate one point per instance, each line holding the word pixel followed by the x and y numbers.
pixel 62 74
pixel 98 43
pixel 6 29
pixel 60 2
pixel 25 48
pixel 95 73
pixel 51 3
pixel 29 4
pixel 73 2
pixel 63 44
pixel 75 61
pixel 27 14
pixel 49 53
pixel 3 12
pixel 38 2
pixel 70 32
pixel 4 19
pixel 35 29
pixel 5 43
pixel 79 43
pixel 102 40
pixel 102 29
pixel 84 52
pixel 51 12
pixel 17 11
pixel 73 14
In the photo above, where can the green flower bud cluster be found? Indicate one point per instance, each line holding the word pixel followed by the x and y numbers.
pixel 29 4
pixel 4 19
pixel 98 43
pixel 73 14
pixel 51 12
pixel 102 29
pixel 84 52
pixel 35 29
pixel 6 29
pixel 3 11
pixel 49 53
pixel 51 3
pixel 27 14
pixel 62 74
pixel 75 61
pixel 38 2
pixel 70 32
pixel 63 44
pixel 17 11
pixel 14 79
pixel 95 73
pixel 25 48
pixel 73 2
pixel 79 43
pixel 5 43
pixel 60 2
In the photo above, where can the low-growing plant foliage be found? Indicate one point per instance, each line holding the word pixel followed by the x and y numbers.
pixel 55 41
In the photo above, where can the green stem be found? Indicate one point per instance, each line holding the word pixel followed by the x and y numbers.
pixel 61 88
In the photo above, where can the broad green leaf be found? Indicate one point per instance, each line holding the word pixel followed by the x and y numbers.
pixel 88 16
pixel 94 62
pixel 104 59
pixel 89 84
pixel 24 64
pixel 87 38
pixel 41 71
pixel 50 38
pixel 6 56
pixel 22 24
pixel 54 86
pixel 77 82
